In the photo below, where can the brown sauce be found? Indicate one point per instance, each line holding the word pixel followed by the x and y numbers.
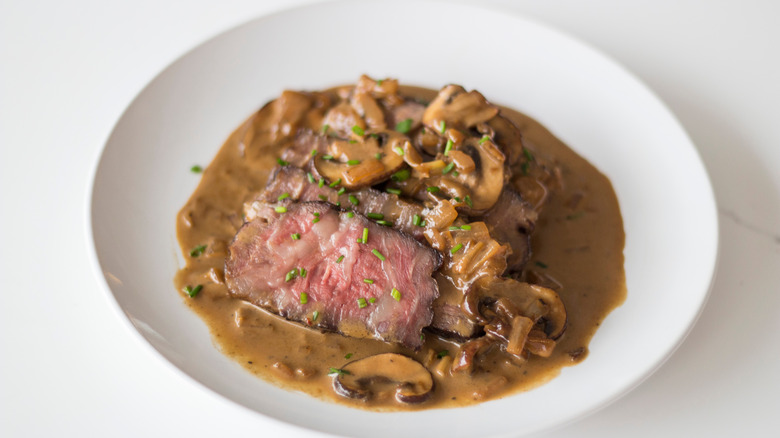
pixel 578 243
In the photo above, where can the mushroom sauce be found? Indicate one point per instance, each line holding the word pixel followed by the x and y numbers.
pixel 576 250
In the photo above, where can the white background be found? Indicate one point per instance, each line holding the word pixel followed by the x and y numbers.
pixel 69 367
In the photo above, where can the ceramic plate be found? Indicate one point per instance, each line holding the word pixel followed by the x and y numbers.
pixel 587 100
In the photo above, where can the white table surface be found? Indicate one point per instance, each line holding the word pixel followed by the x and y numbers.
pixel 69 367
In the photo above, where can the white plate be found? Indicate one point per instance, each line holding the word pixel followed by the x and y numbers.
pixel 594 105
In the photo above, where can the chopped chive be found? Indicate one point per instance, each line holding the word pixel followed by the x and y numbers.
pixel 325 128
pixel 302 272
pixel 401 176
pixel 315 315
pixel 304 298
pixel 327 157
pixel 443 127
pixel 456 199
pixel 443 353
pixel 468 201
pixel 316 214
pixel 358 130
pixel 398 150
pixel 378 254
pixel 350 214
pixel 541 264
pixel 347 356
pixel 313 152
pixel 416 220
pixel 362 302
pixel 528 155
pixel 284 195
pixel 323 197
pixel 192 291
pixel 448 147
pixel 454 228
pixel 484 139
pixel 334 183
pixel 282 162
pixel 432 189
pixel 423 223
pixel 375 215
pixel 448 168
pixel 341 257
pixel 321 183
pixel 373 135
pixel 196 169
pixel 365 235
pixel 310 177
pixel 379 82
pixel 378 156
pixel 368 280
pixel 456 248
pixel 354 200
pixel 296 236
pixel 524 167
pixel 290 275
pixel 456 174
pixel 341 191
pixel 352 141
pixel 334 371
pixel 315 220
pixel 393 191
pixel 372 300
pixel 465 227
pixel 396 294
pixel 353 162
pixel 404 126
pixel 385 223
pixel 198 250
pixel 280 209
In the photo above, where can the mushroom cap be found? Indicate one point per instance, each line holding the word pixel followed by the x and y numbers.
pixel 383 374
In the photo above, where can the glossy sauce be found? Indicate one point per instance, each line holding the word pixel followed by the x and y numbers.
pixel 578 243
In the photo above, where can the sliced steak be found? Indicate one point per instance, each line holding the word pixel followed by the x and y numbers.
pixel 314 249
pixel 511 221
pixel 296 184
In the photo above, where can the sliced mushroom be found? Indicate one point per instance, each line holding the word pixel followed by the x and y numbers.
pixel 360 163
pixel 455 106
pixel 486 182
pixel 506 298
pixel 383 375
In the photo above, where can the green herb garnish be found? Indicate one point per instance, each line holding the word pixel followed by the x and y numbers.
pixel 448 168
pixel 347 356
pixel 315 315
pixel 468 201
pixel 350 214
pixel 341 191
pixel 396 294
pixel 353 162
pixel 465 227
pixel 443 127
pixel 398 150
pixel 368 280
pixel 362 302
pixel 484 139
pixel 334 183
pixel 280 209
pixel 432 189
pixel 354 200
pixel 375 215
pixel 448 147
pixel 358 130
pixel 385 223
pixel 393 191
pixel 372 300
pixel 325 128
pixel 310 177
pixel 336 371
pixel 304 298
pixel 196 169
pixel 283 196
pixel 456 248
pixel 443 353
pixel 282 162
pixel 404 126
pixel 192 291
pixel 401 176
pixel 323 197
pixel 327 157
pixel 416 220
pixel 296 236
pixel 365 235
pixel 378 254
pixel 198 250
pixel 341 257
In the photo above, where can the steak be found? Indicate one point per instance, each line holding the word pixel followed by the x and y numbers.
pixel 307 262
pixel 296 184
pixel 511 220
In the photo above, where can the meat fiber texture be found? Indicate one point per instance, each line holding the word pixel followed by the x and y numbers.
pixel 309 264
